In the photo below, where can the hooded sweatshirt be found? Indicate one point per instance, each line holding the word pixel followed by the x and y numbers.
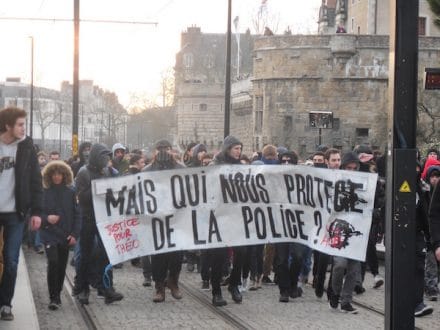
pixel 95 169
pixel 429 162
pixel 82 161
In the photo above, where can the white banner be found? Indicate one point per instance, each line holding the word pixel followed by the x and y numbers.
pixel 230 205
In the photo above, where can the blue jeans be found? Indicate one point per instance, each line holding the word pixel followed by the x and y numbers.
pixel 13 235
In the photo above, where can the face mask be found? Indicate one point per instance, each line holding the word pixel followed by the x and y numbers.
pixel 86 155
pixel 163 156
pixel 103 161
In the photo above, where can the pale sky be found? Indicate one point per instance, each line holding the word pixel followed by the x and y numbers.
pixel 125 59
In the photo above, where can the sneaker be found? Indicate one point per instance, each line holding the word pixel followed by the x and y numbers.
pixel 100 294
pixel 348 308
pixel 378 281
pixel 422 310
pixel 235 293
pixel 333 301
pixel 6 313
pixel 146 282
pixel 266 280
pixel 245 285
pixel 53 306
pixel 205 286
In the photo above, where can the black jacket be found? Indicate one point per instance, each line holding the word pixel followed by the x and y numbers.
pixel 28 186
pixel 60 200
pixel 434 218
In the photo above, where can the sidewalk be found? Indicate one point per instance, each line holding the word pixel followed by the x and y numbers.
pixel 23 306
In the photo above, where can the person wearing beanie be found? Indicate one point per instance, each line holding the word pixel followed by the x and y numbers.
pixel 169 263
pixel 350 161
pixel 229 155
pixel 198 151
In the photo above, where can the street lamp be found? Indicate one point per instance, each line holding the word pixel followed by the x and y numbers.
pixel 228 74
pixel 31 111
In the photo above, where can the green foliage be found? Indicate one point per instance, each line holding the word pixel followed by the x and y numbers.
pixel 435 8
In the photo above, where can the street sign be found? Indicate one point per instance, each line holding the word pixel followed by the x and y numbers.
pixel 321 119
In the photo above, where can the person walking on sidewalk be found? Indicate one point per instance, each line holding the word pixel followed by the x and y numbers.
pixel 21 192
pixel 169 263
pixel 60 225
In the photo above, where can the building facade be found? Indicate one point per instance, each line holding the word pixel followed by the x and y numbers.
pixel 368 17
pixel 101 117
pixel 200 83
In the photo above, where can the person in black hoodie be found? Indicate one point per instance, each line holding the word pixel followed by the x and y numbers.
pixel 84 153
pixel 97 168
pixel 229 154
pixel 60 225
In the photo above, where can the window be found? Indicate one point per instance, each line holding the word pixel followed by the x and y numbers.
pixel 352 25
pixel 288 124
pixel 362 132
pixel 188 60
pixel 422 26
pixel 203 107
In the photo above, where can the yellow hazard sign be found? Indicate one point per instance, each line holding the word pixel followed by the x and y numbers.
pixel 405 188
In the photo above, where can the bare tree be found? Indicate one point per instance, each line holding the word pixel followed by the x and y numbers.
pixel 45 115
pixel 168 87
pixel 263 18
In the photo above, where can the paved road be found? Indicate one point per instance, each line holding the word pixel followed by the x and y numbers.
pixel 259 310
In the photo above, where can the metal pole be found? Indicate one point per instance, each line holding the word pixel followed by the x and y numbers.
pixel 400 255
pixel 75 102
pixel 320 137
pixel 228 73
pixel 31 111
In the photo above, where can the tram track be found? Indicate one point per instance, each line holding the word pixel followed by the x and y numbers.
pixel 89 318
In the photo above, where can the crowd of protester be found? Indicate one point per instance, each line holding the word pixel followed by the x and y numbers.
pixel 59 204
